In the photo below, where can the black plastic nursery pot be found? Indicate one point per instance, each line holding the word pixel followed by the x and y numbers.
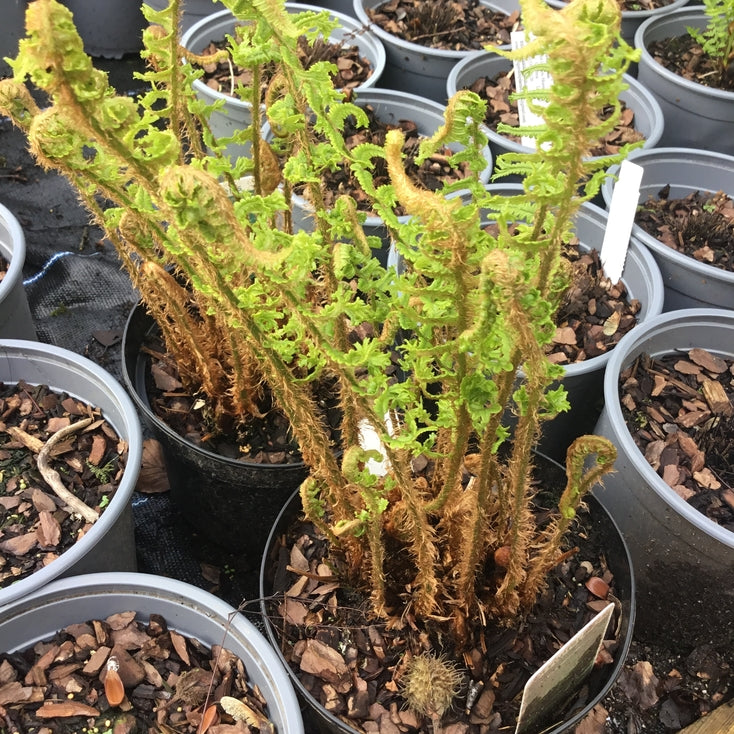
pixel 598 683
pixel 230 501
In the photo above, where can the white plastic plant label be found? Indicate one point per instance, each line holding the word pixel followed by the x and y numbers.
pixel 534 80
pixel 561 676
pixel 620 220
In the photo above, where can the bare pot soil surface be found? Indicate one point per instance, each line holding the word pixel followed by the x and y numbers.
pixel 352 69
pixel 594 313
pixel 462 25
pixel 355 665
pixel 679 412
pixel 684 56
pixel 37 440
pixel 126 676
pixel 700 225
pixel 496 91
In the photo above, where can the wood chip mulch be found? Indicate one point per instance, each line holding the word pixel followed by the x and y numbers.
pixel 352 69
pixel 122 675
pixel 461 25
pixel 684 56
pixel 594 314
pixel 679 411
pixel 700 225
pixel 36 526
pixel 500 108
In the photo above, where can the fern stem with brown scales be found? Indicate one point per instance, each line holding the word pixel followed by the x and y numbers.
pixel 438 210
pixel 579 482
pixel 185 335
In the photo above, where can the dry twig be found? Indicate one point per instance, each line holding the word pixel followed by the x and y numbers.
pixel 52 476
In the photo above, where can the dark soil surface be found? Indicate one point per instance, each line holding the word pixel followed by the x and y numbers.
pixel 352 69
pixel 500 108
pixel 684 56
pixel 125 675
pixel 679 411
pixel 461 25
pixel 266 441
pixel 698 225
pixel 329 634
pixel 36 526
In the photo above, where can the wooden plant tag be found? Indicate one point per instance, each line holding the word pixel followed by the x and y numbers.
pixel 534 80
pixel 561 676
pixel 620 220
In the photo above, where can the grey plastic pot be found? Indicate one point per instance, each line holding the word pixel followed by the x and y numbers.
pixel 186 609
pixel 633 19
pixel 12 30
pixel 109 28
pixel 683 561
pixel 648 115
pixel 688 282
pixel 16 321
pixel 417 69
pixel 599 682
pixel 584 380
pixel 235 114
pixel 110 543
pixel 696 116
pixel 390 106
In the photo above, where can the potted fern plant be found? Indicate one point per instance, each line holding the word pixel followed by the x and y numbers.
pixel 423 361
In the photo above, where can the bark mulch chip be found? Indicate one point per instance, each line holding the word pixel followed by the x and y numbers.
pixel 679 410
pixel 123 675
pixel 36 525
pixel 700 225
